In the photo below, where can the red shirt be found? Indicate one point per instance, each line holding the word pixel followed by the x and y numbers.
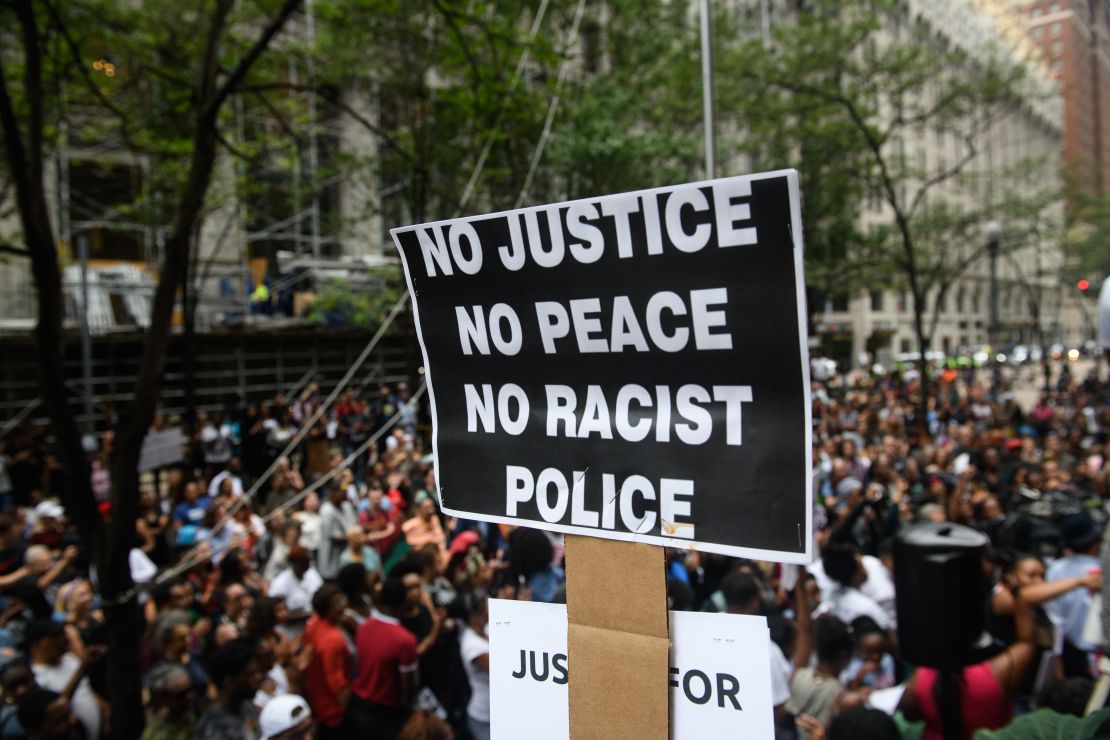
pixel 384 650
pixel 327 673
pixel 379 520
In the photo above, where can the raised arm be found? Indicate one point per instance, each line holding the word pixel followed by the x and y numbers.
pixel 1011 666
pixel 803 625
pixel 1038 593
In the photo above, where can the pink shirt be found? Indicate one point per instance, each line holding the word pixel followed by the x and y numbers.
pixel 983 703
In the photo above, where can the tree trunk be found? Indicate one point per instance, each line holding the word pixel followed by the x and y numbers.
pixel 922 407
pixel 109 545
pixel 189 331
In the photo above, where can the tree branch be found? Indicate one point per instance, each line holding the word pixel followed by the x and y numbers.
pixel 238 74
pixel 14 250
pixel 210 63
pixel 32 82
pixel 335 101
pixel 236 151
pixel 79 64
pixel 26 175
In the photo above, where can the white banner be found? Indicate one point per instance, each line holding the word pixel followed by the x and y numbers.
pixel 161 449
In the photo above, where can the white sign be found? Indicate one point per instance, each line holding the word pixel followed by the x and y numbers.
pixel 720 674
pixel 161 449
pixel 1104 315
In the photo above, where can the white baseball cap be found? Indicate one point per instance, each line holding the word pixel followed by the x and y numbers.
pixel 50 508
pixel 282 713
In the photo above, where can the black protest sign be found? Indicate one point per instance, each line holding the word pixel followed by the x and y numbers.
pixel 630 366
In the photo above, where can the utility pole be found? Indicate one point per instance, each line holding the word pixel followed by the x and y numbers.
pixel 993 230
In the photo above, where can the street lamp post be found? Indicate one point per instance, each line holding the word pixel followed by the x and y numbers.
pixel 993 230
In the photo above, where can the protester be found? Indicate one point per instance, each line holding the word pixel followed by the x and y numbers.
pixel 236 675
pixel 171 714
pixel 48 715
pixel 54 668
pixel 174 635
pixel 358 552
pixel 387 674
pixel 956 702
pixel 297 584
pixel 817 691
pixel 327 677
pixel 286 718
pixel 1069 610
pixel 475 655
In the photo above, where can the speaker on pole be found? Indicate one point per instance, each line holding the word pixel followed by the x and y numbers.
pixel 941 586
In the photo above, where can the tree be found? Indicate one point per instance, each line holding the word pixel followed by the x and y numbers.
pixel 627 119
pixel 1088 234
pixel 454 101
pixel 773 126
pixel 854 86
pixel 462 93
pixel 182 65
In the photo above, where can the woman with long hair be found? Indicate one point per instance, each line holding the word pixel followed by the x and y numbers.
pixel 956 702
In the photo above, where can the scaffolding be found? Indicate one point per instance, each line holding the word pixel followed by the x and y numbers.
pixel 111 258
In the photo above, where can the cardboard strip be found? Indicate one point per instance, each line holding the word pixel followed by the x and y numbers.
pixel 618 645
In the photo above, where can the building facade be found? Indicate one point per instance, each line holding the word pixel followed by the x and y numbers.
pixel 1073 38
pixel 1032 305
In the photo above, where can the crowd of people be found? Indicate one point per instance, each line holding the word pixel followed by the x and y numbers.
pixel 357 609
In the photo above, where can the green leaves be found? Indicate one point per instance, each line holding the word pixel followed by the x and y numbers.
pixel 1045 724
pixel 889 126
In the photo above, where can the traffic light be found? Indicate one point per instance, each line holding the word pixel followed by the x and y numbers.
pixel 1083 285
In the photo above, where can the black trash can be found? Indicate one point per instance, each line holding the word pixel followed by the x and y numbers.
pixel 941 590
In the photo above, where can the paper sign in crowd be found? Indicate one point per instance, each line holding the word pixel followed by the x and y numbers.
pixel 630 366
pixel 720 679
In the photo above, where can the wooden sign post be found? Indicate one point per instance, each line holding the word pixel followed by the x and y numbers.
pixel 618 645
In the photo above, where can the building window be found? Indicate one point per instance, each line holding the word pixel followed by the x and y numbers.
pixel 840 302
pixel 942 303
pixel 1056 27
pixel 1054 8
pixel 876 300
pixel 900 304
pixel 905 346
pixel 1056 48
pixel 1037 32
pixel 960 301
pixel 975 302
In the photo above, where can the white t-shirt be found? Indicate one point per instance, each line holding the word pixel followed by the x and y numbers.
pixel 879 586
pixel 280 687
pixel 297 594
pixel 781 668
pixel 310 529
pixel 846 604
pixel 55 678
pixel 471 646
